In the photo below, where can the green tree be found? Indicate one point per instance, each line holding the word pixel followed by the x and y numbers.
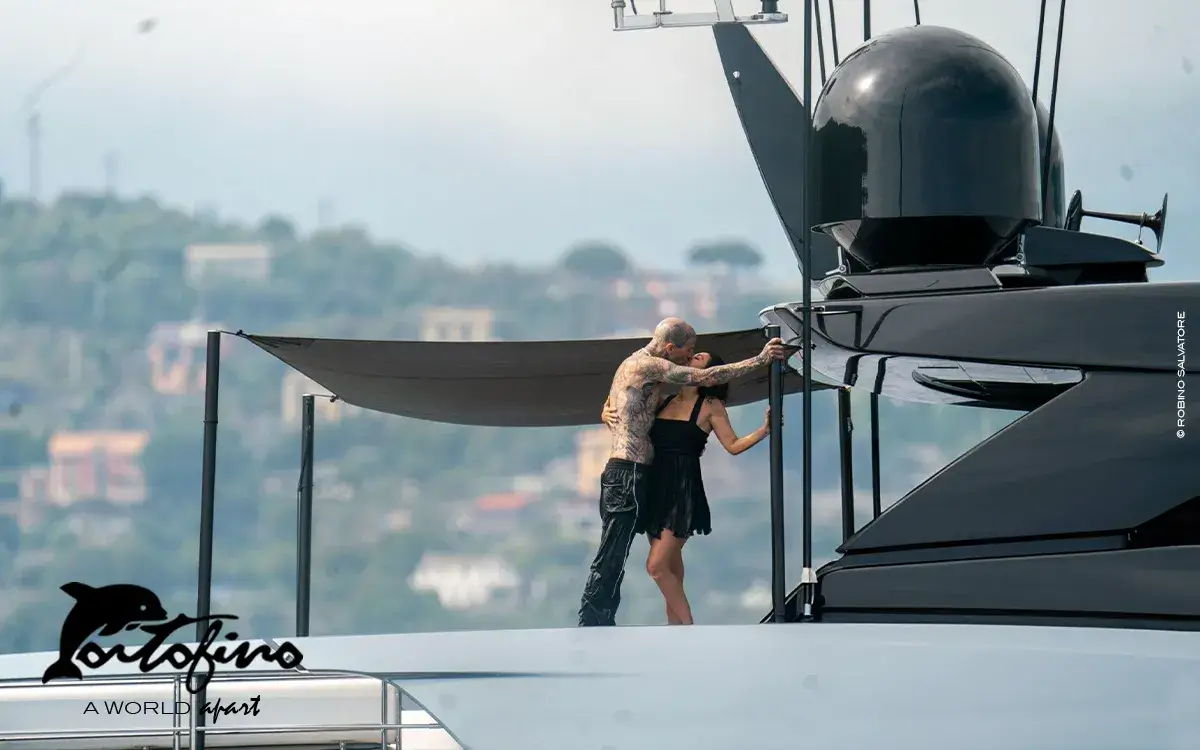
pixel 736 254
pixel 596 258
pixel 276 228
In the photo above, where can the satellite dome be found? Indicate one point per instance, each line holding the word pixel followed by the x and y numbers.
pixel 925 152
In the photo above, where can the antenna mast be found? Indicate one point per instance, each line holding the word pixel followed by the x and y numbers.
pixel 833 34
pixel 1062 18
pixel 1037 59
pixel 808 579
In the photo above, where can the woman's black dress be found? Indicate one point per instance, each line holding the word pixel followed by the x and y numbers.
pixel 675 497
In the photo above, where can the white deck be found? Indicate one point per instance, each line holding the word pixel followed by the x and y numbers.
pixel 766 687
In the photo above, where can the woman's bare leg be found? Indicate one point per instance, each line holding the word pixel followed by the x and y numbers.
pixel 658 565
pixel 677 569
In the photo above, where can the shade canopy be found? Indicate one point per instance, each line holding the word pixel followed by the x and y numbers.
pixel 494 383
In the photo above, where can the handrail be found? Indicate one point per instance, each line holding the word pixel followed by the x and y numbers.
pixel 389 725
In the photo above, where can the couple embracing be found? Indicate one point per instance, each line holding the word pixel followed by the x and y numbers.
pixel 652 482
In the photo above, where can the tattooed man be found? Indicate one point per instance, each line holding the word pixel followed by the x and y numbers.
pixel 635 394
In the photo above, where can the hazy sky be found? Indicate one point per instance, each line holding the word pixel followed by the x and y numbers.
pixel 494 128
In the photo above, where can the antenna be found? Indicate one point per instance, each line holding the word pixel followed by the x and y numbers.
pixel 820 40
pixel 1062 18
pixel 1037 59
pixel 917 11
pixel 866 20
pixel 833 34
pixel 666 18
pixel 1156 222
pixel 807 576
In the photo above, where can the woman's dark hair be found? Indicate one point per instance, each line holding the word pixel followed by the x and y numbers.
pixel 719 392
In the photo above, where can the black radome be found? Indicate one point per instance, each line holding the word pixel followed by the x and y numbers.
pixel 925 152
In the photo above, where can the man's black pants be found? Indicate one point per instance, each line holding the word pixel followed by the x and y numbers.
pixel 622 493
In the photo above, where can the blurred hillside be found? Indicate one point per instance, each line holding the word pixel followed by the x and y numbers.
pixel 103 307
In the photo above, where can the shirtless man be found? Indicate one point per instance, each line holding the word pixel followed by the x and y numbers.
pixel 636 392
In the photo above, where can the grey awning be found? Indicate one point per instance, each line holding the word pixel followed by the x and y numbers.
pixel 495 383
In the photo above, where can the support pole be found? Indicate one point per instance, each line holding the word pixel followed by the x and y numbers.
pixel 807 578
pixel 866 20
pixel 876 499
pixel 778 570
pixel 846 445
pixel 208 486
pixel 304 509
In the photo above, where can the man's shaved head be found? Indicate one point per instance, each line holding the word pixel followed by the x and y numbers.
pixel 674 339
pixel 674 331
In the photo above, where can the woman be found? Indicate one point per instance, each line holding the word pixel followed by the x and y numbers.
pixel 677 506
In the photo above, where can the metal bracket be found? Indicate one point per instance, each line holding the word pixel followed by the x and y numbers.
pixel 333 397
pixel 664 18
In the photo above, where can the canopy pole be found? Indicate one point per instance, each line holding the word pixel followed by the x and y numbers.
pixel 807 578
pixel 778 571
pixel 876 499
pixel 208 479
pixel 304 511
pixel 846 445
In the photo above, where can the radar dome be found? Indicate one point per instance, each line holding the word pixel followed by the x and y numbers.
pixel 925 151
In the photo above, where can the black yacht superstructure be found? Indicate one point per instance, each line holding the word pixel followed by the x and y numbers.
pixel 956 281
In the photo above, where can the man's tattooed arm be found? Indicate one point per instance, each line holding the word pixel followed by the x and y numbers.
pixel 662 371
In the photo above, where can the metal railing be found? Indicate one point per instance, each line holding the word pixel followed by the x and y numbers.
pixel 392 698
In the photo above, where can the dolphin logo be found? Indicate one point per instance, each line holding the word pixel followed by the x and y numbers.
pixel 109 609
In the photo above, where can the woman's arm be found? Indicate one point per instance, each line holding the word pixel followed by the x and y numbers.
pixel 719 419
pixel 608 415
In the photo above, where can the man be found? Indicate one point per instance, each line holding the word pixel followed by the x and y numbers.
pixel 635 394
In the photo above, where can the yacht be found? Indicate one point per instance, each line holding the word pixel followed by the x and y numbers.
pixel 1040 591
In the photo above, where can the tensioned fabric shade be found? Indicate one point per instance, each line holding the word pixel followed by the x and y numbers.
pixel 494 383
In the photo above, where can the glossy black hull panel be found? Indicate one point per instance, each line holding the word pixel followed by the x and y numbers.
pixel 1117 326
pixel 1087 508
pixel 1101 457
pixel 1152 582
pixel 1160 586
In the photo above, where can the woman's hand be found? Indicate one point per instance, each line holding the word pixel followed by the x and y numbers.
pixel 767 422
pixel 609 415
